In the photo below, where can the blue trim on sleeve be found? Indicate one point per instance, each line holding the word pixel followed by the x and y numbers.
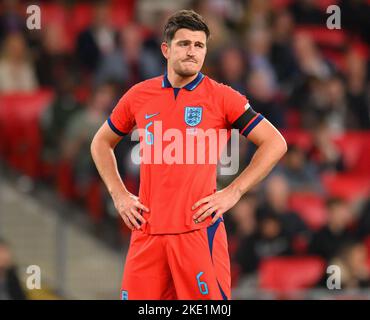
pixel 114 129
pixel 253 124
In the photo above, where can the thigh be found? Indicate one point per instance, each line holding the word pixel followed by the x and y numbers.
pixel 200 264
pixel 146 273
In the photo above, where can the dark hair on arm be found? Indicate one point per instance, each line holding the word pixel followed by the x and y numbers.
pixel 184 19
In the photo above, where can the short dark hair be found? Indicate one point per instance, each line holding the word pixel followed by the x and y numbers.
pixel 187 19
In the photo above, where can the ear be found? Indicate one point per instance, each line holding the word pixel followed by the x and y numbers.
pixel 165 48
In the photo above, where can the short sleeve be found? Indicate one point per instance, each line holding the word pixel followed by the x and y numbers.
pixel 121 120
pixel 234 104
pixel 238 112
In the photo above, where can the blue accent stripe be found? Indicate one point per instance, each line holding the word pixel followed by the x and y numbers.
pixel 190 86
pixel 176 91
pixel 253 124
pixel 211 231
pixel 222 292
pixel 114 129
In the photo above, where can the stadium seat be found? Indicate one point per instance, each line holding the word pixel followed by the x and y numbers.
pixel 355 148
pixel 64 181
pixel 286 274
pixel 347 186
pixel 324 4
pixel 310 207
pixel 293 119
pixel 323 36
pixel 298 137
pixel 280 4
pixel 367 245
pixel 94 201
pixel 20 113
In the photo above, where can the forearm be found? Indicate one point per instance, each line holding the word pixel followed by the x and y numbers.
pixel 263 161
pixel 106 164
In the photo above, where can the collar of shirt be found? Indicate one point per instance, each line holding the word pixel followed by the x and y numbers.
pixel 190 86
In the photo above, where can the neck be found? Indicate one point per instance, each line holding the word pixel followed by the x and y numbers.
pixel 178 81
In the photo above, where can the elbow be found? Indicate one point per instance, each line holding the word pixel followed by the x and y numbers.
pixel 284 146
pixel 93 146
pixel 280 145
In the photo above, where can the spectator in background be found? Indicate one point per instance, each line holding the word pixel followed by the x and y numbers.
pixel 10 287
pixel 98 40
pixel 10 19
pixel 243 217
pixel 329 240
pixel 301 174
pixel 268 241
pixel 324 153
pixel 257 14
pixel 123 64
pixel 357 93
pixel 258 45
pixel 276 203
pixel 57 116
pixel 352 261
pixel 152 63
pixel 306 12
pixel 16 70
pixel 232 68
pixel 355 17
pixel 363 224
pixel 81 130
pixel 281 53
pixel 262 96
pixel 309 59
pixel 52 61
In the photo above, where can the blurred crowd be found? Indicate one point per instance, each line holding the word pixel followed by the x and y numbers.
pixel 309 81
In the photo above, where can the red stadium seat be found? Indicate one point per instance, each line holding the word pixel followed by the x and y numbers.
pixel 346 186
pixel 310 207
pixel 293 119
pixel 20 130
pixel 280 4
pixel 324 4
pixel 367 245
pixel 323 36
pixel 80 17
pixel 286 274
pixel 94 201
pixel 355 147
pixel 64 181
pixel 298 137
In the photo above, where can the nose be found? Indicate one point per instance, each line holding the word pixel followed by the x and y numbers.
pixel 191 51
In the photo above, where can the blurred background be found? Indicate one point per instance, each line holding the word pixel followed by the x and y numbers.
pixel 58 85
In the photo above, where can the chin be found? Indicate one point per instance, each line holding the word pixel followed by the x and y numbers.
pixel 186 72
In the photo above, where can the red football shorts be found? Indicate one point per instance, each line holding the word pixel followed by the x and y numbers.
pixel 186 266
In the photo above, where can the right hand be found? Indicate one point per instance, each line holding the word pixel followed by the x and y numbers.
pixel 127 206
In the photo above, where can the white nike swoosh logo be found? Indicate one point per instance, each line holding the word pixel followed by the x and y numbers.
pixel 148 116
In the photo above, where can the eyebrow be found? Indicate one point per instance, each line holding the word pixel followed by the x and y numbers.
pixel 189 41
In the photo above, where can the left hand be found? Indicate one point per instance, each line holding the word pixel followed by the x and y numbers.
pixel 219 202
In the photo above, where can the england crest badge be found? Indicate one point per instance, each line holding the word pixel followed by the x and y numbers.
pixel 193 115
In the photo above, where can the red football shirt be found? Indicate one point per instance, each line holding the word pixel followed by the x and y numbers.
pixel 172 178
